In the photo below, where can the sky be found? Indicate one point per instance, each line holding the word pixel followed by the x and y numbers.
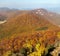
pixel 28 4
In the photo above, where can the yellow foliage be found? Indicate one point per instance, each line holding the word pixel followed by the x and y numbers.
pixel 37 46
pixel 7 53
pixel 39 50
pixel 27 45
pixel 58 34
pixel 35 54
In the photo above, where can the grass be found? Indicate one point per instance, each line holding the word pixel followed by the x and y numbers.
pixel 42 28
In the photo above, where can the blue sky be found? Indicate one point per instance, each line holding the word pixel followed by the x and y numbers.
pixel 25 4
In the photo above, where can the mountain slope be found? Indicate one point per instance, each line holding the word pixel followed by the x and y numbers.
pixel 25 22
pixel 54 18
pixel 28 32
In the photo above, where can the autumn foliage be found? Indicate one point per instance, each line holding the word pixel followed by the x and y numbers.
pixel 27 34
pixel 37 40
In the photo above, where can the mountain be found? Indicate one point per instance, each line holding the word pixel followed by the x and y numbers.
pixel 6 9
pixel 24 31
pixel 53 17
pixel 27 21
pixel 56 9
pixel 6 12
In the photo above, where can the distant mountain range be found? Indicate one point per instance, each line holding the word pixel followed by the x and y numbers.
pixel 56 9
pixel 6 9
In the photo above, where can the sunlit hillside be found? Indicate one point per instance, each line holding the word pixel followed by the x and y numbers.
pixel 29 33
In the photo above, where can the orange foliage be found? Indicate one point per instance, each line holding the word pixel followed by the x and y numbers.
pixel 15 43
